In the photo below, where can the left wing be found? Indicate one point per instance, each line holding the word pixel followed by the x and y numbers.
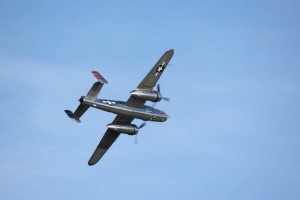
pixel 108 139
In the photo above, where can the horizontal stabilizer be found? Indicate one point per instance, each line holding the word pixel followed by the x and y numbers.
pixel 71 115
pixel 94 91
pixel 99 77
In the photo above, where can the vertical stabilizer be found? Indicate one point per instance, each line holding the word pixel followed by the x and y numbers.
pixel 91 95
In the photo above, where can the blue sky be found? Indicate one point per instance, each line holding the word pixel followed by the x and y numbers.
pixel 234 131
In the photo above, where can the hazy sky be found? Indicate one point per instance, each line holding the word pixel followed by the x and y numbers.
pixel 234 131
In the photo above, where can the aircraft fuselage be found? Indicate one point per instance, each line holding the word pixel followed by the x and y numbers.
pixel 145 113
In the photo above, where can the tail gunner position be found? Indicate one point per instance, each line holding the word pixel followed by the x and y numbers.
pixel 133 108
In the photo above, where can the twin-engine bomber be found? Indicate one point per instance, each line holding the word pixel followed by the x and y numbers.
pixel 133 108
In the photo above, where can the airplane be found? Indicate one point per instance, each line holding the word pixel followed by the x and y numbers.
pixel 133 108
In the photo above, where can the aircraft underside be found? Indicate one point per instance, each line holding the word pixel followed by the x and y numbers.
pixel 133 108
pixel 145 113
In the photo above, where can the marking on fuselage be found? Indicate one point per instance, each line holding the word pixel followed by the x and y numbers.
pixel 109 102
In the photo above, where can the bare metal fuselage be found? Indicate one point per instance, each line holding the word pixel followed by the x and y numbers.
pixel 145 113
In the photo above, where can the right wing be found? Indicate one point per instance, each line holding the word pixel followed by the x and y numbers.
pixel 108 139
pixel 151 78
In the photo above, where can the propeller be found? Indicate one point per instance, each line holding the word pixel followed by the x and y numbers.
pixel 163 98
pixel 141 126
pixel 158 90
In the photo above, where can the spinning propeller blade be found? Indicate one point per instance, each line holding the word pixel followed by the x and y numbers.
pixel 166 99
pixel 158 90
pixel 135 138
pixel 142 125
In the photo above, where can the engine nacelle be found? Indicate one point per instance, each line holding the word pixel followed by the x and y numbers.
pixel 130 129
pixel 153 96
pixel 81 99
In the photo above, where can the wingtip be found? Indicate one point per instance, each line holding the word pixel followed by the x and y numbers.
pixel 92 161
pixel 171 51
